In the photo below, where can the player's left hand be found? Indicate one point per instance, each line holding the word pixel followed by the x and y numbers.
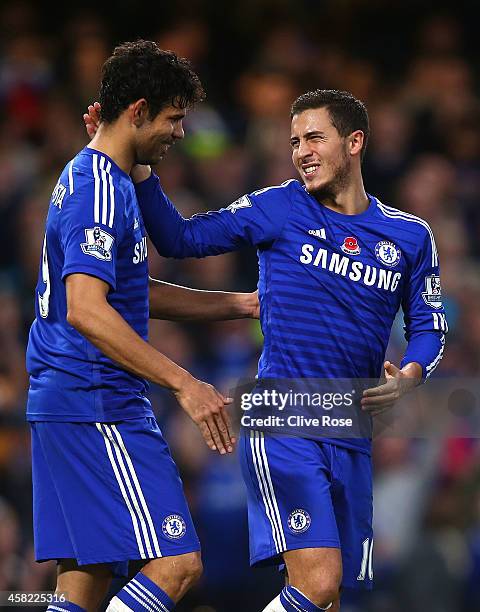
pixel 92 119
pixel 397 383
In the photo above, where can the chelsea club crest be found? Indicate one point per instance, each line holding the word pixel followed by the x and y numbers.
pixel 174 527
pixel 387 253
pixel 299 521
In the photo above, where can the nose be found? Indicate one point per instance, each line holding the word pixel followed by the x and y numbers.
pixel 304 150
pixel 178 132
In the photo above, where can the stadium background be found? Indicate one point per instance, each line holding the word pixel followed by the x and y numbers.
pixel 418 71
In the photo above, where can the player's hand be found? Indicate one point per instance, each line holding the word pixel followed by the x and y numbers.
pixel 206 407
pixel 397 383
pixel 92 119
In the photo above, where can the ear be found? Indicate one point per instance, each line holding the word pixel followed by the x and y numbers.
pixel 355 142
pixel 138 112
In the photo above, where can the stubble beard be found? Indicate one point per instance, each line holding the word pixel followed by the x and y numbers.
pixel 339 182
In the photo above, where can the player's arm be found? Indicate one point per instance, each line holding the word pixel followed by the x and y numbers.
pixel 252 220
pixel 90 230
pixel 89 312
pixel 425 329
pixel 176 303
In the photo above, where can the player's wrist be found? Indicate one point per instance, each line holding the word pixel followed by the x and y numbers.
pixel 242 305
pixel 180 381
pixel 251 304
pixel 412 374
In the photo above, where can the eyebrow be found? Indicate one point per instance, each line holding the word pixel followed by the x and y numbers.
pixel 178 114
pixel 308 134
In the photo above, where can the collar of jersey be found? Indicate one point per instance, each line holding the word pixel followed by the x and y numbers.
pixel 372 206
pixel 90 151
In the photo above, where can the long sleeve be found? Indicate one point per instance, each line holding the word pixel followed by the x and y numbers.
pixel 424 315
pixel 253 219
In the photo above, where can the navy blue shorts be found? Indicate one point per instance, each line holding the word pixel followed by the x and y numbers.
pixel 305 493
pixel 107 493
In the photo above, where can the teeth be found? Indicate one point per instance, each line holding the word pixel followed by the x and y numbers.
pixel 310 170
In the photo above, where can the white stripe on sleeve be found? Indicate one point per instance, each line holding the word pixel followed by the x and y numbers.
pixel 96 205
pixel 70 176
pixel 104 191
pixel 112 195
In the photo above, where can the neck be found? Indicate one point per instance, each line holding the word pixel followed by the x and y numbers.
pixel 351 200
pixel 111 140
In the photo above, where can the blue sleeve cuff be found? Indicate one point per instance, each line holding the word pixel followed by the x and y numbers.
pixel 146 186
pixel 425 348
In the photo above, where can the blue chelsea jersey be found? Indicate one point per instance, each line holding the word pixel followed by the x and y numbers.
pixel 93 227
pixel 330 284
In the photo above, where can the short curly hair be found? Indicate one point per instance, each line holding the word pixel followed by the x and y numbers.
pixel 140 69
pixel 347 113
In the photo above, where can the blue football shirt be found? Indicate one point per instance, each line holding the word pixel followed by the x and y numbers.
pixel 94 227
pixel 330 284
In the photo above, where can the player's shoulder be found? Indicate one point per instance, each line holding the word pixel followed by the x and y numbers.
pixel 284 191
pixel 93 175
pixel 92 166
pixel 277 190
pixel 413 233
pixel 410 223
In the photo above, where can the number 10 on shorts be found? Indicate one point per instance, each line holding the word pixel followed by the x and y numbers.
pixel 366 560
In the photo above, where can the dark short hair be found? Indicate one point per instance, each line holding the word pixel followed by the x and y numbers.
pixel 346 112
pixel 141 69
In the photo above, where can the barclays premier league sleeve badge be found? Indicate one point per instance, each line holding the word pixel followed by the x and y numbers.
pixel 98 243
pixel 432 296
pixel 387 253
pixel 243 202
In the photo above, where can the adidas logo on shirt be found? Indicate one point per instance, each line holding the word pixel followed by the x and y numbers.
pixel 319 233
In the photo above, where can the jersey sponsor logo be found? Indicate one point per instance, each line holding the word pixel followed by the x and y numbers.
pixel 432 296
pixel 58 195
pixel 387 253
pixel 318 233
pixel 135 223
pixel 299 521
pixel 99 243
pixel 140 251
pixel 243 202
pixel 350 246
pixel 353 270
pixel 174 527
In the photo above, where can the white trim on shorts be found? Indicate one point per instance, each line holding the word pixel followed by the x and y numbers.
pixel 134 499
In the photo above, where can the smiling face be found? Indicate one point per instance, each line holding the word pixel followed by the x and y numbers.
pixel 320 155
pixel 154 137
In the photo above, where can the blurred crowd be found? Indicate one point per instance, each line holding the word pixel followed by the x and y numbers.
pixel 417 71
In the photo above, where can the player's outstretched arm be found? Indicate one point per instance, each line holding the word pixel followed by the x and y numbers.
pixel 89 312
pixel 176 303
pixel 249 221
